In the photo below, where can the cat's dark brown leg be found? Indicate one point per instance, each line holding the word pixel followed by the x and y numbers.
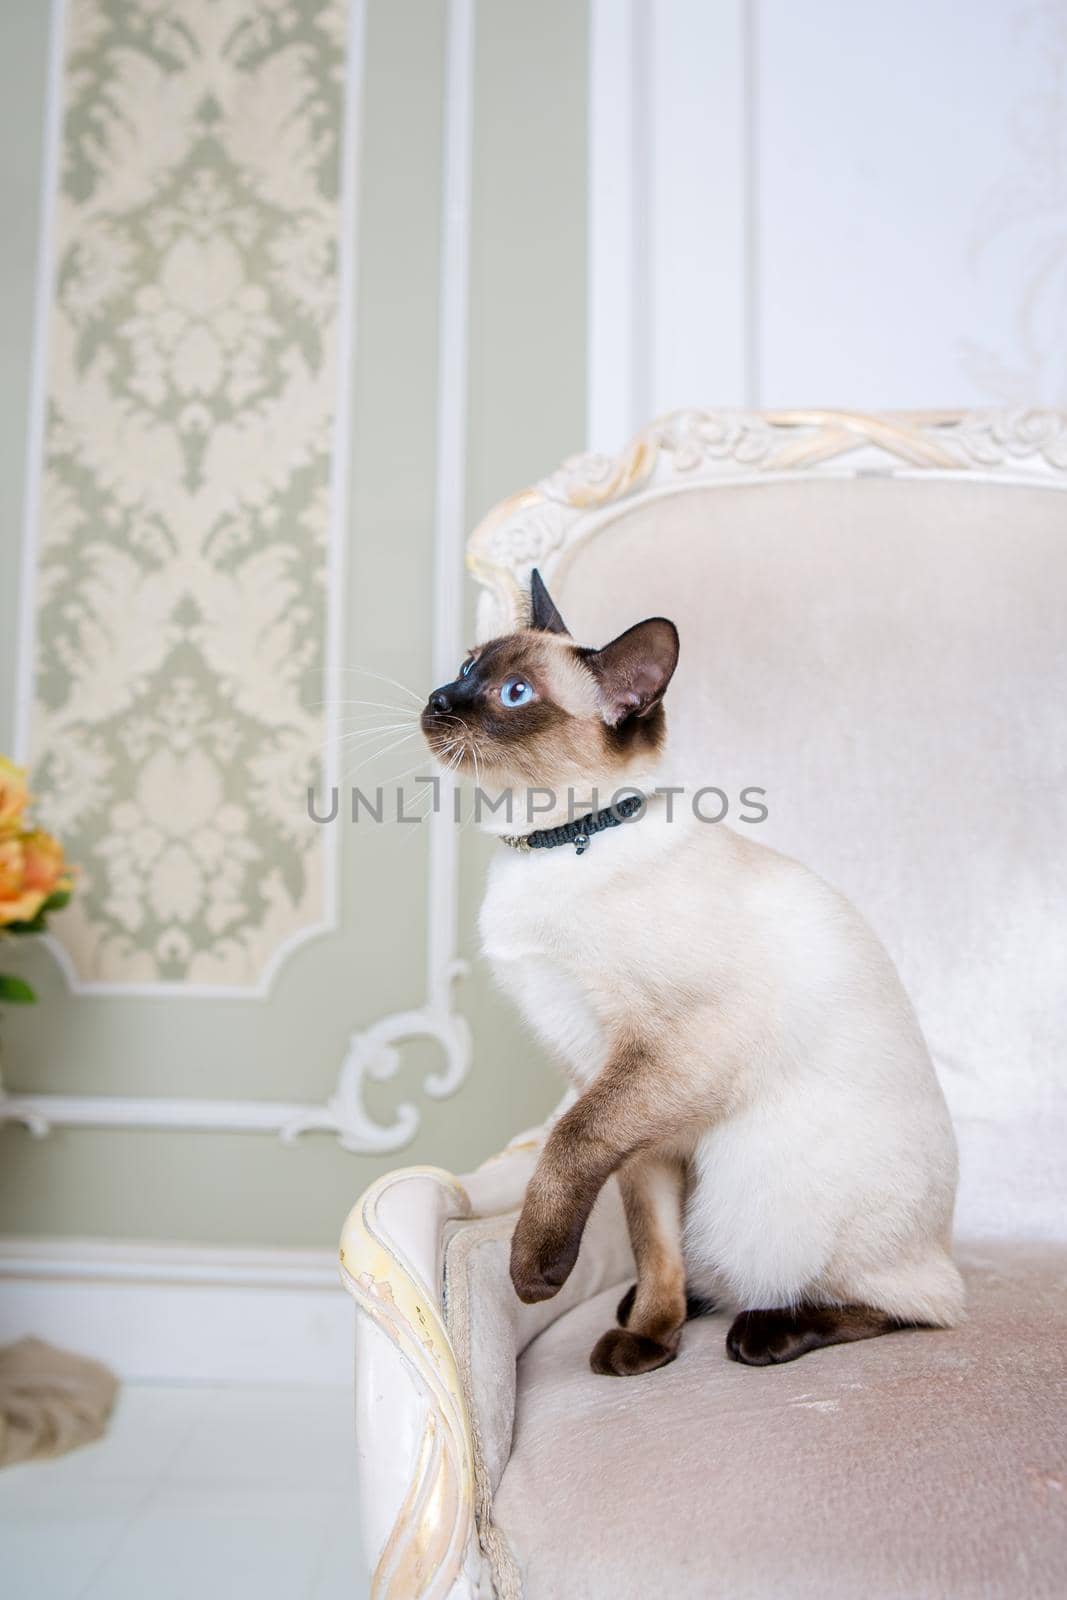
pixel 653 1193
pixel 765 1338
pixel 635 1102
pixel 696 1305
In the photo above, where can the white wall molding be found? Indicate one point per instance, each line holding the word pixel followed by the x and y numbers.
pixel 372 1053
pixel 181 1313
pixel 35 431
pixel 697 206
pixel 671 232
pixel 617 355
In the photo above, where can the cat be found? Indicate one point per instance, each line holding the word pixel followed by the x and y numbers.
pixel 746 1060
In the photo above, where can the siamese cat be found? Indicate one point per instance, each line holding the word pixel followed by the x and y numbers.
pixel 746 1060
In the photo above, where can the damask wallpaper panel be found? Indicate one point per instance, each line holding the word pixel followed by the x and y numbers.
pixel 188 482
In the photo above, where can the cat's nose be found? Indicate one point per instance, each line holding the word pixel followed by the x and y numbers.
pixel 440 702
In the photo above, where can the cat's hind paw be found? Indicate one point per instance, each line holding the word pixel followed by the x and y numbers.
pixel 622 1354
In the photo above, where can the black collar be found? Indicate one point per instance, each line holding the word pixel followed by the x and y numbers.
pixel 579 832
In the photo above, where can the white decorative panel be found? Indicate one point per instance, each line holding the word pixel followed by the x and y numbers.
pixel 826 204
pixel 698 206
pixel 669 308
pixel 912 203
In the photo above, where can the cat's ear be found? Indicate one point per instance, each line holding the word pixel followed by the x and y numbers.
pixel 633 671
pixel 543 614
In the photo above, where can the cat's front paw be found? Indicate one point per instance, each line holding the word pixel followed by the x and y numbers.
pixel 541 1261
pixel 622 1354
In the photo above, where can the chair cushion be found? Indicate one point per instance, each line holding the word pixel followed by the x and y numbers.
pixel 923 1464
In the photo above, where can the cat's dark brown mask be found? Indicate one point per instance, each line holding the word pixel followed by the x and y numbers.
pixel 532 707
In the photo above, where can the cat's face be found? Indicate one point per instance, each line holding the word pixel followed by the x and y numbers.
pixel 534 709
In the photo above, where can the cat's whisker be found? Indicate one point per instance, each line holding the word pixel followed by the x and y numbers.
pixel 422 801
pixel 376 755
pixel 410 770
pixel 447 758
pixel 362 729
pixel 361 736
pixel 454 753
pixel 376 719
pixel 394 682
pixel 377 705
pixel 379 719
pixel 450 753
pixel 478 784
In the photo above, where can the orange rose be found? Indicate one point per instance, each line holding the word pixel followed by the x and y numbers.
pixel 31 870
pixel 44 864
pixel 13 794
pixel 19 901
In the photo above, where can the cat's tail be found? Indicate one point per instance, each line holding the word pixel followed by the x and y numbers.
pixel 928 1291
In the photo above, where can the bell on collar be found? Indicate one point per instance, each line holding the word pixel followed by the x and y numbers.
pixel 581 841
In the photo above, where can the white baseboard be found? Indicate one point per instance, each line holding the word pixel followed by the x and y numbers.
pixel 182 1313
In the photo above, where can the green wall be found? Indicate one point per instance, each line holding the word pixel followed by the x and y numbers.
pixel 527 407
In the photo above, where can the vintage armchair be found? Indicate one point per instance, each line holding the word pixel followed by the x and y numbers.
pixel 873 613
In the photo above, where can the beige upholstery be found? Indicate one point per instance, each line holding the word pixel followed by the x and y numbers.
pixel 915 1467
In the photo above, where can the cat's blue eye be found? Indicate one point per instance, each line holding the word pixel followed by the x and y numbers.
pixel 465 669
pixel 516 692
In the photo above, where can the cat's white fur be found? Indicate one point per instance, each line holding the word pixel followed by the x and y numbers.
pixel 829 1174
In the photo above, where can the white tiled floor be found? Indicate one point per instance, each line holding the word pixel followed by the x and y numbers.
pixel 239 1494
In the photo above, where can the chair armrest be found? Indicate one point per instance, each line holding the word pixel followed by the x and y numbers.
pixel 433 1423
pixel 415 1459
